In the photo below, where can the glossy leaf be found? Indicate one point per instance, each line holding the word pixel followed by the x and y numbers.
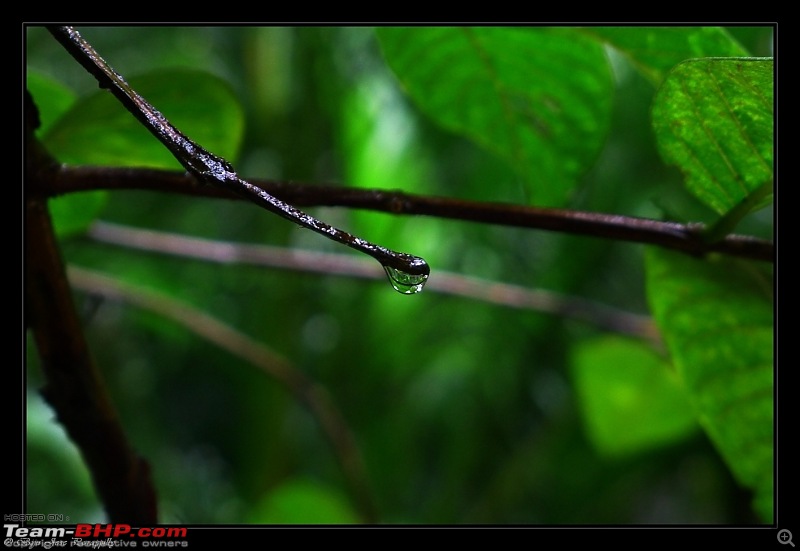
pixel 631 399
pixel 716 317
pixel 713 119
pixel 538 97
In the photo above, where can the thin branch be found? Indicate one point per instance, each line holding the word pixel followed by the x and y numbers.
pixel 687 238
pixel 305 389
pixel 493 292
pixel 211 169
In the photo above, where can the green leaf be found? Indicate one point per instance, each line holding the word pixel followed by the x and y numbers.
pixel 98 130
pixel 540 98
pixel 713 119
pixel 71 214
pixel 716 317
pixel 656 50
pixel 48 443
pixel 631 400
pixel 301 501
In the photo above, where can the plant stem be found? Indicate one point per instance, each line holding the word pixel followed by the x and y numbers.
pixel 212 169
pixel 493 292
pixel 688 238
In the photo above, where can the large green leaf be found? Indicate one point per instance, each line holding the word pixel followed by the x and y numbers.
pixel 713 118
pixel 656 50
pixel 98 130
pixel 716 317
pixel 538 97
pixel 630 397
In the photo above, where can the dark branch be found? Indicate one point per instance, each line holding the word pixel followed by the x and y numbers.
pixel 74 387
pixel 688 238
pixel 211 169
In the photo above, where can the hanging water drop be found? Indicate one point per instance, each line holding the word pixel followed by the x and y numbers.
pixel 405 283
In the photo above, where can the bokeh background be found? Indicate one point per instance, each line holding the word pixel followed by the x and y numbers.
pixel 463 411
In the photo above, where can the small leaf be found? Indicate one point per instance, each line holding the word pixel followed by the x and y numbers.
pixel 716 317
pixel 630 398
pixel 713 118
pixel 303 502
pixel 540 98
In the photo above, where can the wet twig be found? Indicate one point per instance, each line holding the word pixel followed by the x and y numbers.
pixel 211 169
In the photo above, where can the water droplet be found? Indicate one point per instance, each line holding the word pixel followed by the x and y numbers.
pixel 405 283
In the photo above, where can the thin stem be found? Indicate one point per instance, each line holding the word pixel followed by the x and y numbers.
pixel 212 169
pixel 493 292
pixel 688 238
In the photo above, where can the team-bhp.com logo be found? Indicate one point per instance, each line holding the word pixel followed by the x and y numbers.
pixel 94 536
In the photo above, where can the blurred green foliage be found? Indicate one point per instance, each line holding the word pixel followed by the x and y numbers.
pixel 464 412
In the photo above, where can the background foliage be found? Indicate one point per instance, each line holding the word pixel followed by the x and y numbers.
pixel 464 412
